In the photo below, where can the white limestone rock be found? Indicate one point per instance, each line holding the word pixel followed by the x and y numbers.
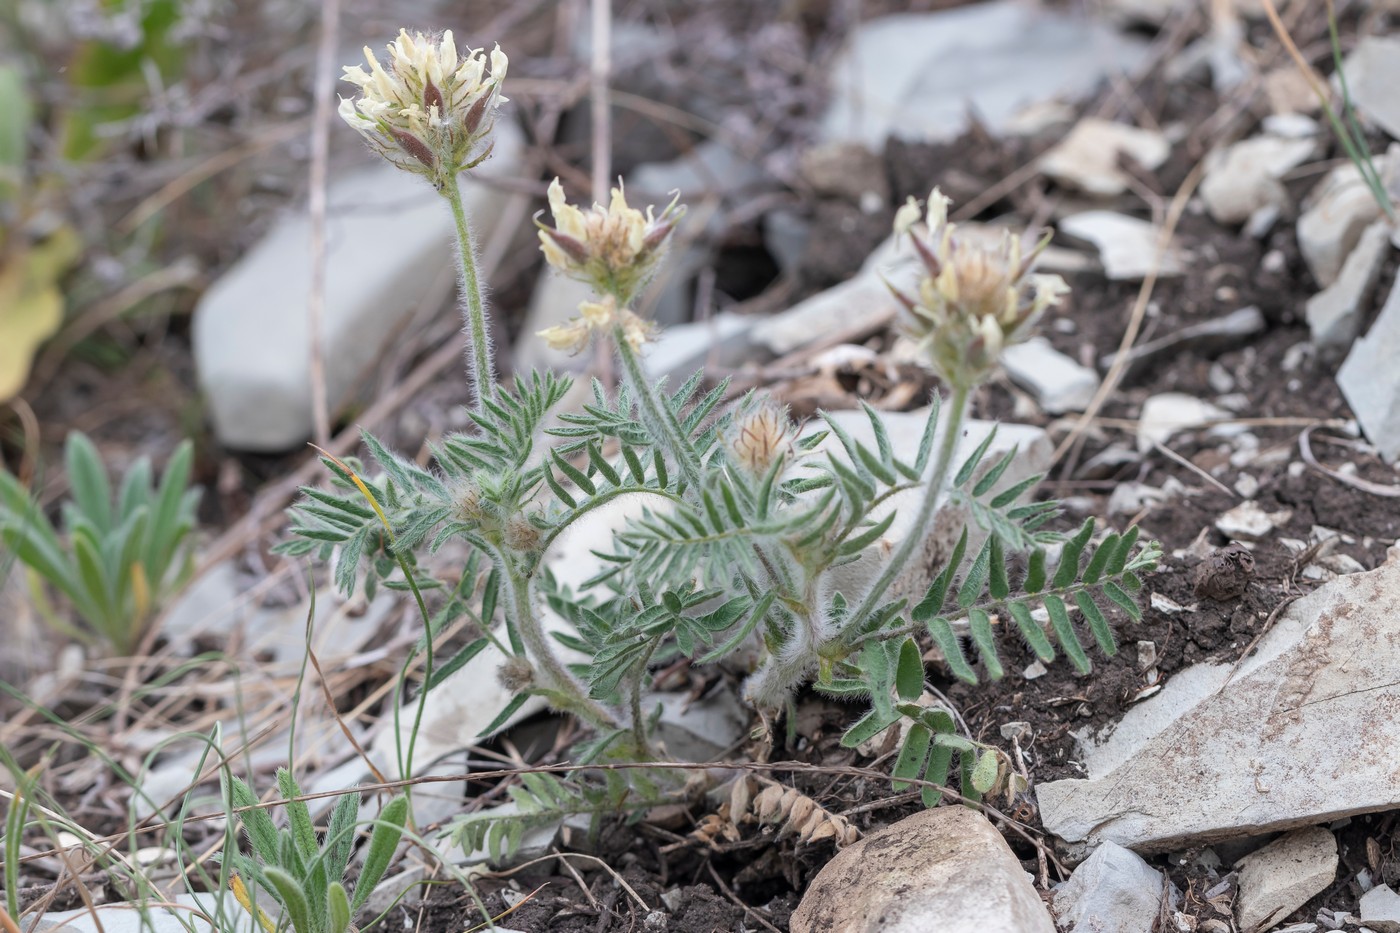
pixel 1335 313
pixel 1057 383
pixel 725 339
pixel 1127 246
pixel 946 869
pixel 1113 889
pixel 1249 522
pixel 1088 158
pixel 1169 412
pixel 1334 216
pixel 1380 909
pixel 1283 876
pixel 1373 73
pixel 1244 177
pixel 1236 753
pixel 389 245
pixel 126 918
pixel 1370 380
pixel 917 75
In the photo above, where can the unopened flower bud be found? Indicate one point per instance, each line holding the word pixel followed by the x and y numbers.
pixel 520 535
pixel 465 501
pixel 759 437
pixel 516 674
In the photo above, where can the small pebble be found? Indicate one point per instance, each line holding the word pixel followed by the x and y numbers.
pixel 1246 485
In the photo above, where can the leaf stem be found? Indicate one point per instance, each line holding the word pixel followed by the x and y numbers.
pixel 522 617
pixel 937 483
pixel 483 373
pixel 658 415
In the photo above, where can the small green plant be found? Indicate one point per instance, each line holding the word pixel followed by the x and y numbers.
pixel 751 533
pixel 1344 126
pixel 115 560
pixel 304 874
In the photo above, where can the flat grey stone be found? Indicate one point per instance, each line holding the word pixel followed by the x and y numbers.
pixel 1283 876
pixel 389 244
pixel 1335 313
pixel 699 730
pixel 1167 413
pixel 1380 909
pixel 1113 889
pixel 129 918
pixel 1242 759
pixel 1244 177
pixel 1373 73
pixel 1057 383
pixel 1127 246
pixel 1207 338
pixel 1370 380
pixel 917 75
pixel 946 869
pixel 680 351
pixel 1088 158
pixel 1335 213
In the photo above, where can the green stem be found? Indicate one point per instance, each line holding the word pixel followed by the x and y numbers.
pixel 927 510
pixel 483 374
pixel 522 617
pixel 657 415
pixel 639 728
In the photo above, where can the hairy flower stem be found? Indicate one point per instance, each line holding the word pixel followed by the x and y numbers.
pixel 483 373
pixel 559 679
pixel 937 483
pixel 655 413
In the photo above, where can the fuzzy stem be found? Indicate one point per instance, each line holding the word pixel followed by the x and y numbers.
pixel 657 415
pixel 483 373
pixel 638 724
pixel 521 616
pixel 937 482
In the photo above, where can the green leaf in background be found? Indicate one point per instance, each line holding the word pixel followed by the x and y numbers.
pixel 16 113
pixel 31 305
pixel 109 83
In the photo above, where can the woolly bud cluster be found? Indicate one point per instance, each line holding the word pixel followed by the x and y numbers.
pixel 759 437
pixel 614 249
pixel 520 535
pixel 972 301
pixel 516 674
pixel 430 111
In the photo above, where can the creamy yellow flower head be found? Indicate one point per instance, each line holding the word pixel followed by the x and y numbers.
pixel 430 111
pixel 614 249
pixel 973 300
pixel 597 317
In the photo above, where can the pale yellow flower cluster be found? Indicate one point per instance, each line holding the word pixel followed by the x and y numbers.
pixel 598 317
pixel 431 110
pixel 614 249
pixel 972 300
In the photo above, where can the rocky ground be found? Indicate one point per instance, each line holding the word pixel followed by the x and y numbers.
pixel 1222 375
